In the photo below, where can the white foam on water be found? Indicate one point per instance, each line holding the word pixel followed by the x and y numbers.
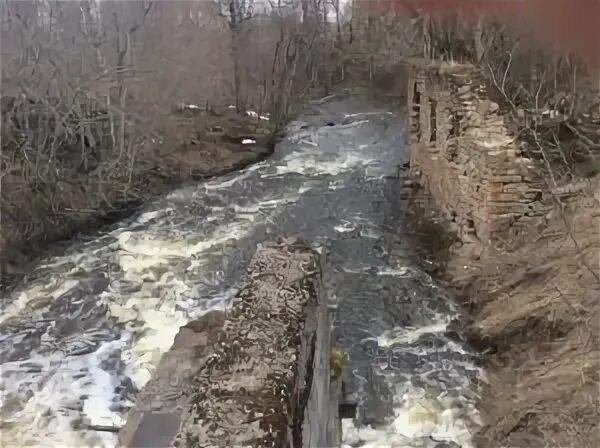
pixel 46 417
pixel 150 316
pixel 345 227
pixel 437 413
pixel 39 406
pixel 429 417
pixel 336 185
pixel 409 335
pixel 356 270
pixel 155 339
pixel 36 296
pixel 305 188
pixel 394 272
pixel 248 209
pixel 368 113
pixel 144 244
pixel 219 184
pixel 312 164
pixel 369 232
pixel 149 216
pixel 420 420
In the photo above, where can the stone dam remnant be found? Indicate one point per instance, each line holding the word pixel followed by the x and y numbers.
pixel 255 375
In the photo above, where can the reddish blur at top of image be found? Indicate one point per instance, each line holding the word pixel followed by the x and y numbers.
pixel 561 25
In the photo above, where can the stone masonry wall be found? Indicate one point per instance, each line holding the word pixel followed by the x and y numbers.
pixel 466 158
pixel 257 375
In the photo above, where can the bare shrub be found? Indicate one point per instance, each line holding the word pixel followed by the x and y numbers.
pixel 95 94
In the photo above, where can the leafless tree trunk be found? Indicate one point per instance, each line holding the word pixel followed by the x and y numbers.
pixel 478 39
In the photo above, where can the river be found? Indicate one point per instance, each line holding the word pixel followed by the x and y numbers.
pixel 88 327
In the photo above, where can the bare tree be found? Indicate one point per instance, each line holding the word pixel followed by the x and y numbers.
pixel 91 88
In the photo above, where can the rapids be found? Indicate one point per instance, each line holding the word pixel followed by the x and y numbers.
pixel 87 328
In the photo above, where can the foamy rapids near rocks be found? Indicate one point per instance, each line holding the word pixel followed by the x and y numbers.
pixel 87 330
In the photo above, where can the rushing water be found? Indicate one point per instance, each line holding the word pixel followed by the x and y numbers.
pixel 87 329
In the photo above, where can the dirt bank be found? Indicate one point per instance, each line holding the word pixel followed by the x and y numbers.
pixel 38 211
pixel 525 259
pixel 536 315
pixel 538 310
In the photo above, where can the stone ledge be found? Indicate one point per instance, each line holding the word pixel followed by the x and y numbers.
pixel 256 376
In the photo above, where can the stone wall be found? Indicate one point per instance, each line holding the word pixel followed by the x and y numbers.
pixel 526 259
pixel 465 156
pixel 256 376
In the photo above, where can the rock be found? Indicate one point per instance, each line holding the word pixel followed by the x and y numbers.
pixel 506 179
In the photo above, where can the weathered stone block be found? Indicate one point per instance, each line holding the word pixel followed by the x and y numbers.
pixel 507 207
pixel 504 197
pixel 505 171
pixel 493 187
pixel 505 179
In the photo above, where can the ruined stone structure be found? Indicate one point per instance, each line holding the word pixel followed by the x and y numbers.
pixel 466 158
pixel 526 256
pixel 256 376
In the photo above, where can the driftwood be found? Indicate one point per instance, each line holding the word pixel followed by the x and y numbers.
pixel 257 376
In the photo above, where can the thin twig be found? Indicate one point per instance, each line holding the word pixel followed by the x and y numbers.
pixel 102 428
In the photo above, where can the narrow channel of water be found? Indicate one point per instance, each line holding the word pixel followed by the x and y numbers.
pixel 89 327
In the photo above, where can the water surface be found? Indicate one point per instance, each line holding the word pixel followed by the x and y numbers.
pixel 88 328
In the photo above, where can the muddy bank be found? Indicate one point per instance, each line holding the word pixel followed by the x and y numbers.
pixel 525 259
pixel 255 375
pixel 193 145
